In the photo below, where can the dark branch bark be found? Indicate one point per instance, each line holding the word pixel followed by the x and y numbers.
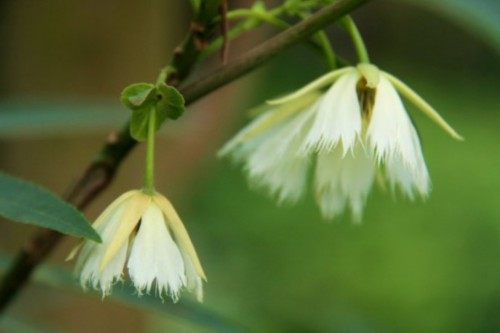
pixel 102 170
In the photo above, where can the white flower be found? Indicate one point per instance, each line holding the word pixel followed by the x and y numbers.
pixel 147 230
pixel 355 130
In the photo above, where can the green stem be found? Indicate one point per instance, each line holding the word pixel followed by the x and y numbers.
pixel 260 16
pixel 238 14
pixel 321 44
pixel 326 46
pixel 150 153
pixel 357 39
pixel 238 30
pixel 164 73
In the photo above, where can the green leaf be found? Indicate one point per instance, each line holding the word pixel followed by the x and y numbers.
pixel 33 118
pixel 170 104
pixel 479 16
pixel 167 102
pixel 138 96
pixel 139 124
pixel 24 202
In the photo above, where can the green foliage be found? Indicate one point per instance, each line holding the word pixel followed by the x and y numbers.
pixel 141 98
pixel 480 16
pixel 29 118
pixel 24 202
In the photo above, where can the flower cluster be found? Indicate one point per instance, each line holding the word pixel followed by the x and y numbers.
pixel 144 231
pixel 356 130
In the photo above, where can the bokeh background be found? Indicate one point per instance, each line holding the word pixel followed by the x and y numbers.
pixel 410 267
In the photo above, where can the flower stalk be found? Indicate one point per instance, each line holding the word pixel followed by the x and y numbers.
pixel 150 151
pixel 357 39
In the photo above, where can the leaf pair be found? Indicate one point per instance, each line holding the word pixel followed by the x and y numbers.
pixel 141 98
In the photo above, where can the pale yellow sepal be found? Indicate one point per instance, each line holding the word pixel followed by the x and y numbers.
pixel 75 250
pixel 100 219
pixel 281 113
pixel 179 231
pixel 131 217
pixel 370 73
pixel 425 107
pixel 313 86
pixel 259 110
pixel 112 207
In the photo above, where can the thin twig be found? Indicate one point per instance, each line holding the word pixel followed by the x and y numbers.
pixel 101 171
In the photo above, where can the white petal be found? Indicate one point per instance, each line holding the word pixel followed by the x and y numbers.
pixel 114 270
pixel 395 141
pixel 194 281
pixel 155 256
pixel 338 118
pixel 237 140
pixel 342 180
pixel 275 163
pixel 328 191
pixel 89 260
pixel 406 179
pixel 179 232
pixel 390 128
pixel 272 161
pixel 284 120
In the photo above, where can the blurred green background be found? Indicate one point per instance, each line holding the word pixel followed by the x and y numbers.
pixel 410 267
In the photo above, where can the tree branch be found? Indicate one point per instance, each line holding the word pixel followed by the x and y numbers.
pixel 102 170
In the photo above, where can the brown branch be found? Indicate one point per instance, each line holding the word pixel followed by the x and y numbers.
pixel 101 172
pixel 224 24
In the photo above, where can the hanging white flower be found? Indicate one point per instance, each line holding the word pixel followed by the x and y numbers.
pixel 356 129
pixel 144 232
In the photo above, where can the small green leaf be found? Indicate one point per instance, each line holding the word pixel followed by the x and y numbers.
pixel 170 103
pixel 141 98
pixel 24 202
pixel 139 124
pixel 138 95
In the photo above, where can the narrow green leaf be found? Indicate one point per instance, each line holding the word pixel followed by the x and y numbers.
pixel 138 95
pixel 478 16
pixel 24 202
pixel 32 118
